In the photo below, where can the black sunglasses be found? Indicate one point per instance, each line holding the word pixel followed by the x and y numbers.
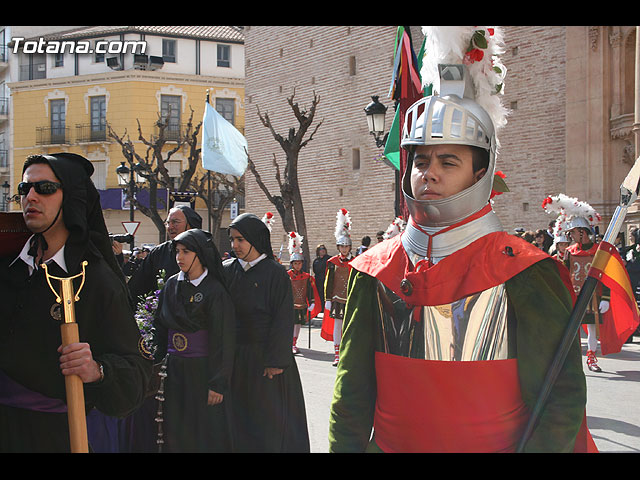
pixel 43 187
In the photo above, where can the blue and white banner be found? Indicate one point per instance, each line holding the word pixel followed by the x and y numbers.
pixel 224 148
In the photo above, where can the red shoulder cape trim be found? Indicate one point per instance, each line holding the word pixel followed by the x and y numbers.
pixel 575 250
pixel 336 261
pixel 487 262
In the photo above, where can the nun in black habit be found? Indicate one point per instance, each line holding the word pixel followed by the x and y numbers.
pixel 267 399
pixel 195 330
pixel 32 387
pixel 141 430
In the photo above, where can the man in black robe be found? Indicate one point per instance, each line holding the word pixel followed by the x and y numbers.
pixel 61 206
pixel 144 279
pixel 266 393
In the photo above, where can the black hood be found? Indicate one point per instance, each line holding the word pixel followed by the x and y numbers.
pixel 193 218
pixel 81 210
pixel 255 232
pixel 201 242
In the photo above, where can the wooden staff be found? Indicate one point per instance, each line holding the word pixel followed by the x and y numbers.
pixel 73 383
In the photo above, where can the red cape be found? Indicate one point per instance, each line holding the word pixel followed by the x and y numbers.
pixel 487 262
pixel 317 306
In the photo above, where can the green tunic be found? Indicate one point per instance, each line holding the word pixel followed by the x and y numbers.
pixel 538 325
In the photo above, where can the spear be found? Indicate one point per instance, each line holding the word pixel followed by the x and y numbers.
pixel 628 194
pixel 77 419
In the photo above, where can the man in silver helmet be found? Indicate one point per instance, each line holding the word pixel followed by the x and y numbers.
pixel 450 326
pixel 335 284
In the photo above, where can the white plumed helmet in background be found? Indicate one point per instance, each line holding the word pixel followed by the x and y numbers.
pixel 295 247
pixel 343 227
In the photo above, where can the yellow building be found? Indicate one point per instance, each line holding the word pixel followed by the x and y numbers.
pixel 69 86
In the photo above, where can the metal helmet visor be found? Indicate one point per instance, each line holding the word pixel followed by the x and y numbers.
pixel 448 120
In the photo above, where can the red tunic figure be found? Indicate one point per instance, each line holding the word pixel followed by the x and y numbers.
pixel 335 283
pixel 306 300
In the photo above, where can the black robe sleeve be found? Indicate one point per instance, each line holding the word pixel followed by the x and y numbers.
pixel 115 342
pixel 222 334
pixel 278 349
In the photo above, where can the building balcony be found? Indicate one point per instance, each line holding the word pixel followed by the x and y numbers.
pixel 52 135
pixel 86 133
pixel 173 133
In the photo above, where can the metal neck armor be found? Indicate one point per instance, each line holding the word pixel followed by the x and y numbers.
pixel 416 238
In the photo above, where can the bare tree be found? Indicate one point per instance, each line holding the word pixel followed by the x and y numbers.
pixel 289 201
pixel 152 166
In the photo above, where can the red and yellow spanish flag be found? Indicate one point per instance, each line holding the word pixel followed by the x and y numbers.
pixel 622 318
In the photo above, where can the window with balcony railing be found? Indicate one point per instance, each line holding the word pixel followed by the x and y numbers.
pixel 86 132
pixel 52 135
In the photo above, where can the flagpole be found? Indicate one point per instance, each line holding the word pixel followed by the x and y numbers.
pixel 628 194
pixel 208 182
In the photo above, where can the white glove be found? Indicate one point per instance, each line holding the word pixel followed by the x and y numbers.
pixel 604 306
pixel 310 309
pixel 327 305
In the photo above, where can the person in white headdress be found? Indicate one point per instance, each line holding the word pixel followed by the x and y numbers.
pixel 306 300
pixel 559 228
pixel 450 326
pixel 581 219
pixel 335 283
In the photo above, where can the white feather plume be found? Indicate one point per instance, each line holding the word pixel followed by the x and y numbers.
pixel 453 44
pixel 268 220
pixel 295 243
pixel 396 227
pixel 569 207
pixel 343 223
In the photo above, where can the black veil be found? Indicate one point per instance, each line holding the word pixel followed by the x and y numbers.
pixel 255 232
pixel 201 242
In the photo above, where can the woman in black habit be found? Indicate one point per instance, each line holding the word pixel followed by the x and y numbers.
pixel 195 330
pixel 267 399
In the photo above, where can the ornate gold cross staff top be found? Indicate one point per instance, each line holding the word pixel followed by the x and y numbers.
pixel 73 383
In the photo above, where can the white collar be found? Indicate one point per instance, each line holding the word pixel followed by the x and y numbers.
pixel 58 258
pixel 195 281
pixel 416 243
pixel 247 265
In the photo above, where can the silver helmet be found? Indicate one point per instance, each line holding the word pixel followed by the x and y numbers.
pixel 451 117
pixel 343 240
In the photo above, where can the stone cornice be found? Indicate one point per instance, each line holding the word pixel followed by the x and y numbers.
pixel 125 76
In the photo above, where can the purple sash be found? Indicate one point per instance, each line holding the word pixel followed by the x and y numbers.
pixel 12 394
pixel 188 344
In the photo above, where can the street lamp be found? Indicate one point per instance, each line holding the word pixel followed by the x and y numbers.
pixel 376 112
pixel 127 179
pixel 5 196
